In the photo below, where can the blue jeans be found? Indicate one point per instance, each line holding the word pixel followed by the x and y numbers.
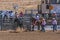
pixel 43 28
pixel 54 27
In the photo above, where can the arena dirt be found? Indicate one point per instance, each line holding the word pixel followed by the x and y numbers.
pixel 36 35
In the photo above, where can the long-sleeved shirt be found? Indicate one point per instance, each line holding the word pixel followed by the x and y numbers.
pixel 54 22
pixel 43 22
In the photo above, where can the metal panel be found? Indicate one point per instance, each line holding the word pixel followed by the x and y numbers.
pixel 44 10
pixel 7 24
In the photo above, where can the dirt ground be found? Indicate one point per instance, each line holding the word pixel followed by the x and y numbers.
pixel 49 35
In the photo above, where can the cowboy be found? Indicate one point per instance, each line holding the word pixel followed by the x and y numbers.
pixel 43 25
pixel 54 23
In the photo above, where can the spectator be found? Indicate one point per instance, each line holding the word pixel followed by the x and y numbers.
pixel 43 25
pixel 54 15
pixel 11 15
pixel 5 14
pixel 54 23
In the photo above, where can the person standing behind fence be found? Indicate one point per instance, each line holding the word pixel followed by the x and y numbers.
pixel 43 25
pixel 5 16
pixel 33 23
pixel 54 23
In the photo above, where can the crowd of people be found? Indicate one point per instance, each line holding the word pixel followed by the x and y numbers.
pixel 35 21
pixel 40 22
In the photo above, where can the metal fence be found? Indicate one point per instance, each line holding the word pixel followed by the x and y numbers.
pixel 27 18
pixel 7 24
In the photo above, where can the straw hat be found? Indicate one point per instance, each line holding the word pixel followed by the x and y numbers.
pixel 44 19
pixel 53 18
